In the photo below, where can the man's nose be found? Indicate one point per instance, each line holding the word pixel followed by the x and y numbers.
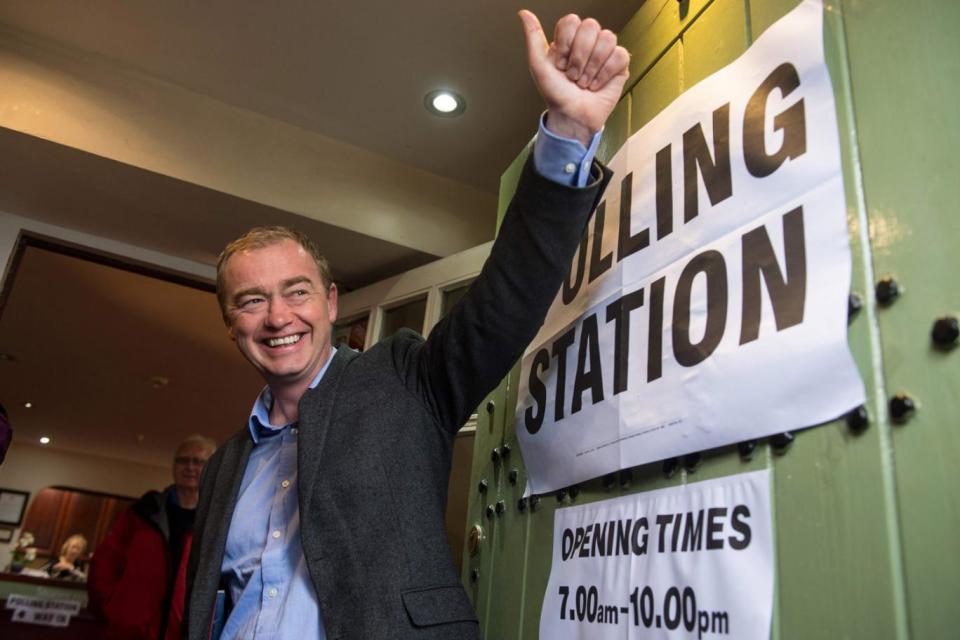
pixel 279 314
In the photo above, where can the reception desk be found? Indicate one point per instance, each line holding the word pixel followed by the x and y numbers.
pixel 45 594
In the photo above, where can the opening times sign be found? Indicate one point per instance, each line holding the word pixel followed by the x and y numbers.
pixel 707 302
pixel 688 562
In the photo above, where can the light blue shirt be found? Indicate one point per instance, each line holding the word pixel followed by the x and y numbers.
pixel 264 569
pixel 561 159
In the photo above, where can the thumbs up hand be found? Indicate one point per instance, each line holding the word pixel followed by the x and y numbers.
pixel 580 74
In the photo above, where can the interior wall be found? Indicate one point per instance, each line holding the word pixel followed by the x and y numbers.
pixel 30 467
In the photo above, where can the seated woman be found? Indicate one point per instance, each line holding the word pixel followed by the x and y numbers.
pixel 68 566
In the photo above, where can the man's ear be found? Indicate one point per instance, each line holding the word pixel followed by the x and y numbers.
pixel 332 302
pixel 227 323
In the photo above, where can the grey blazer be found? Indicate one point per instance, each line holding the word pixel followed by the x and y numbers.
pixel 376 437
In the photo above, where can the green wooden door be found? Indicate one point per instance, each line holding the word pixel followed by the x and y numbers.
pixel 866 522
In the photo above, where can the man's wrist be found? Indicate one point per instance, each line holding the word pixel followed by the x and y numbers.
pixel 561 159
pixel 564 127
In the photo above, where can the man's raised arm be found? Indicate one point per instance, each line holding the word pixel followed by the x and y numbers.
pixel 475 345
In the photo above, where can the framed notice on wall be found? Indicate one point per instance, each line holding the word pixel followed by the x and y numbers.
pixel 12 505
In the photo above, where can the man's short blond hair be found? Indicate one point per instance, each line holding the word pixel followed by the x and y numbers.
pixel 261 238
pixel 196 440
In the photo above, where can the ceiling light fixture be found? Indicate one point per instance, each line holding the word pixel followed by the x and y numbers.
pixel 446 104
pixel 27 405
pixel 44 440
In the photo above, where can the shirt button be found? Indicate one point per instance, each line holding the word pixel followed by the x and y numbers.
pixel 293 430
pixel 276 534
pixel 273 592
pixel 570 167
pixel 285 484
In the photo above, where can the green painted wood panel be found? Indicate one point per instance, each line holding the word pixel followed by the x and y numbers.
pixel 717 38
pixel 512 545
pixel 478 574
pixel 904 64
pixel 657 89
pixel 833 493
pixel 652 31
pixel 865 524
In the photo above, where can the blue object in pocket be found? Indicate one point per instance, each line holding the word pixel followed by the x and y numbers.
pixel 216 624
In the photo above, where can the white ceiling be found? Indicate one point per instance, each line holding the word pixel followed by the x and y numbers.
pixel 87 336
pixel 355 71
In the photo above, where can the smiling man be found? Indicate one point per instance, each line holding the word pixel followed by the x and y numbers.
pixel 279 304
pixel 324 516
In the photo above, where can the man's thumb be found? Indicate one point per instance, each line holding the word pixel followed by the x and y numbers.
pixel 536 41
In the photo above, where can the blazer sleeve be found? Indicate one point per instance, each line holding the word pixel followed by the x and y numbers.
pixel 475 345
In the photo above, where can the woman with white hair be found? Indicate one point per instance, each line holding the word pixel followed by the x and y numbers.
pixel 68 565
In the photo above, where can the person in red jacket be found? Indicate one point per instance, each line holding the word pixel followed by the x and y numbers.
pixel 137 576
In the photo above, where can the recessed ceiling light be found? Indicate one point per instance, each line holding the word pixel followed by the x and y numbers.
pixel 44 440
pixel 444 103
pixel 27 405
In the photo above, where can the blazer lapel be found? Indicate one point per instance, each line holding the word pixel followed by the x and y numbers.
pixel 227 479
pixel 315 411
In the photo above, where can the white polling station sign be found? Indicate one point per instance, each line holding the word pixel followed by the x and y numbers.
pixel 43 611
pixel 707 303
pixel 694 561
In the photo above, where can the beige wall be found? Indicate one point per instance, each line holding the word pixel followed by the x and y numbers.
pixel 31 467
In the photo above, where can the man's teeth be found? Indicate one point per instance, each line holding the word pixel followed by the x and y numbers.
pixel 276 342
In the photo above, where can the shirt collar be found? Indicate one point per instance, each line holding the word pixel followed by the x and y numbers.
pixel 259 421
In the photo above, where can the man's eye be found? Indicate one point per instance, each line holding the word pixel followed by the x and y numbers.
pixel 249 302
